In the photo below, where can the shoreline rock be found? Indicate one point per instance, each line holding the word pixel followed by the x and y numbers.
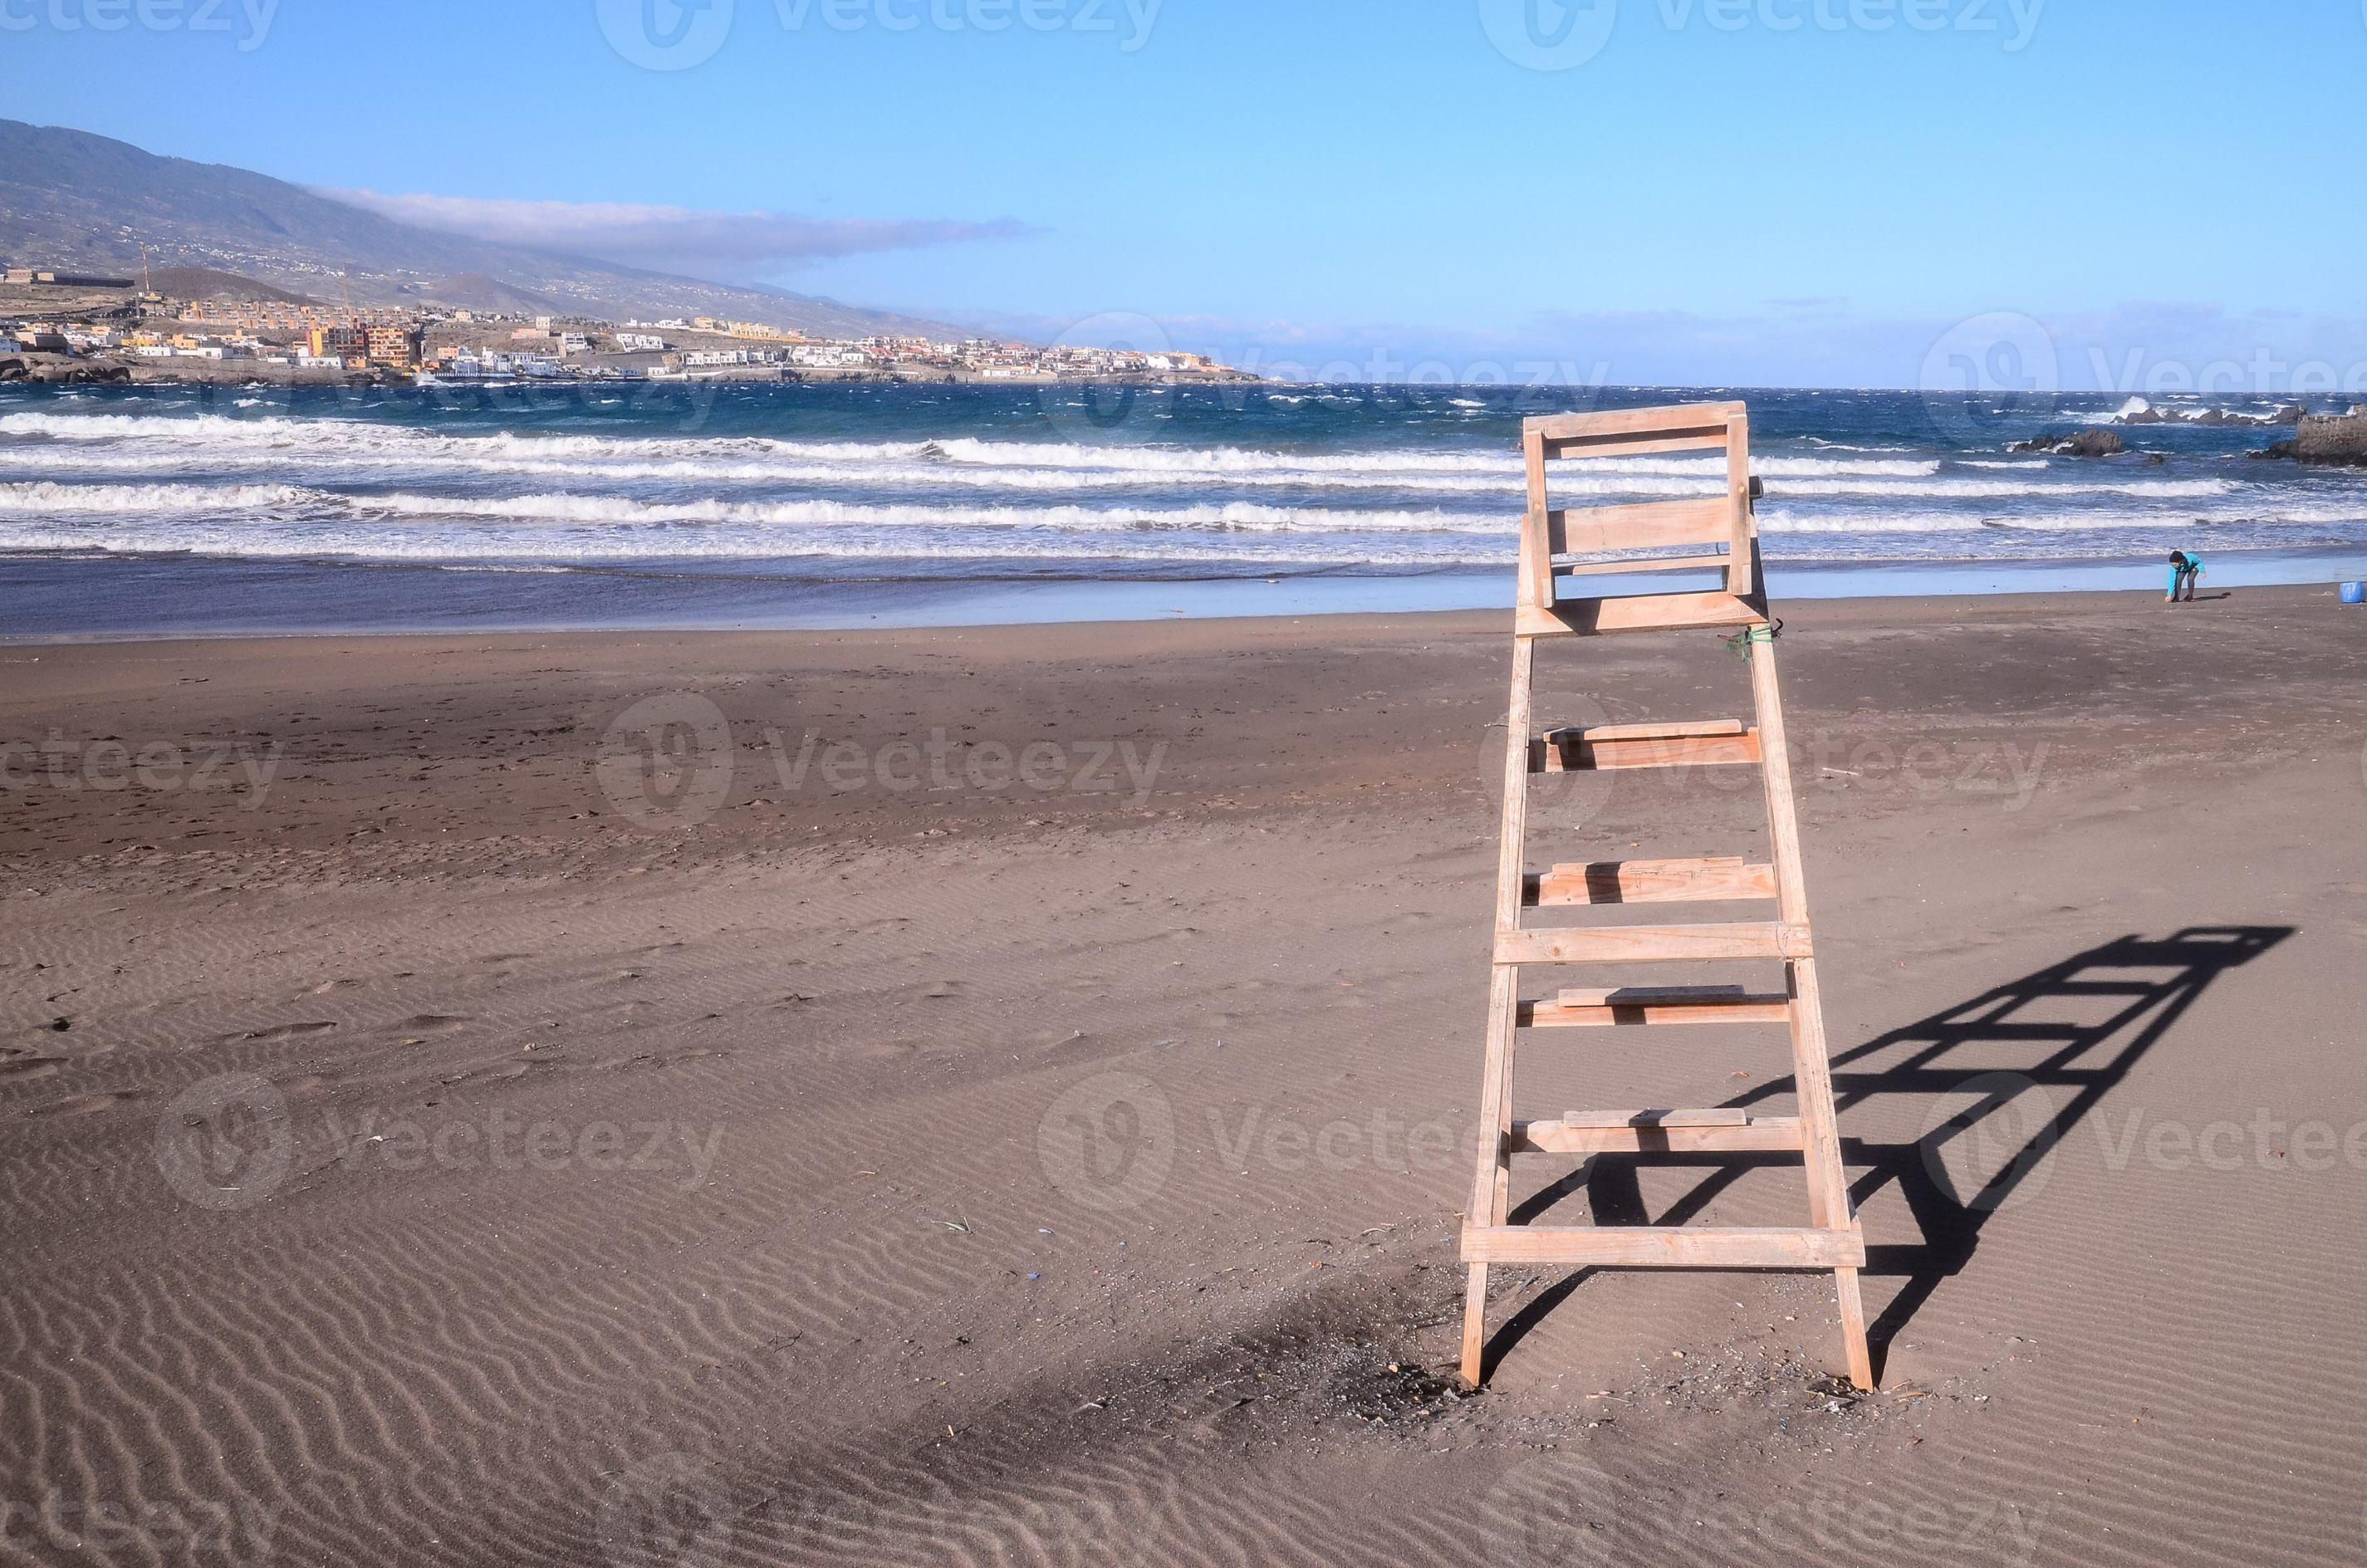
pixel 43 368
pixel 2292 414
pixel 2086 444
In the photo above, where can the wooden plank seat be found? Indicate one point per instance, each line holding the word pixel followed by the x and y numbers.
pixel 1707 743
pixel 1656 944
pixel 1665 1246
pixel 1657 1132
pixel 1630 1004
pixel 1651 881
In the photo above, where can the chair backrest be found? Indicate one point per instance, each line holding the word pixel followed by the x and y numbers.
pixel 1707 533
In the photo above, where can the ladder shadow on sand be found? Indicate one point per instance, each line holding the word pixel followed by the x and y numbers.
pixel 2030 1078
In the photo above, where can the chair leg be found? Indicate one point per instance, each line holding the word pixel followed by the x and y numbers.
pixel 1474 1325
pixel 1860 1358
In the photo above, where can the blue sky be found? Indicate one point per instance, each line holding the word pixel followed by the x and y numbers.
pixel 1744 191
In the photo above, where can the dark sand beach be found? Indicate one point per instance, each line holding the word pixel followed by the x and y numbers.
pixel 1005 1097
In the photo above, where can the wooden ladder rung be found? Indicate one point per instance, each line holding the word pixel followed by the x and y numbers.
pixel 1708 744
pixel 1717 1116
pixel 1651 881
pixel 1634 1134
pixel 1642 564
pixel 1662 729
pixel 1614 423
pixel 1656 944
pixel 1666 1247
pixel 1689 524
pixel 1635 612
pixel 1656 1004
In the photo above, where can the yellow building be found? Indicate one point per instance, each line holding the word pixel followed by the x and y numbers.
pixel 395 348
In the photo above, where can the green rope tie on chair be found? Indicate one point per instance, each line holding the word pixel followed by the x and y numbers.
pixel 1739 643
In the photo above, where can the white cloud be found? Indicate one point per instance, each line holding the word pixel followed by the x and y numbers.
pixel 732 246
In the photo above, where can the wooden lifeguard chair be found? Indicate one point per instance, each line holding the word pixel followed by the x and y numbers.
pixel 1720 534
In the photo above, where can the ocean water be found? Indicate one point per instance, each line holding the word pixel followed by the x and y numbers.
pixel 380 502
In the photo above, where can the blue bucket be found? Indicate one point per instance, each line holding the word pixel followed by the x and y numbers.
pixel 2354 593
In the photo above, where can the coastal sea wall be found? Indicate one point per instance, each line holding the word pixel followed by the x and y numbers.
pixel 2332 438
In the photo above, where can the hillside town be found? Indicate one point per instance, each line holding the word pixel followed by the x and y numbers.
pixel 66 326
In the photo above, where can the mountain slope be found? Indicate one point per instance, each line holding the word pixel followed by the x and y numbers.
pixel 70 200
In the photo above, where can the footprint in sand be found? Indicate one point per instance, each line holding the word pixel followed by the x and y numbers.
pixel 287 1031
pixel 83 1105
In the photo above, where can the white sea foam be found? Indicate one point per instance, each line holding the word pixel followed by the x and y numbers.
pixel 361 544
pixel 216 431
pixel 49 496
pixel 626 512
pixel 2000 489
pixel 1778 520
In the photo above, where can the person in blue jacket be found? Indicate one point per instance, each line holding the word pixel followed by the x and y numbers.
pixel 2183 569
